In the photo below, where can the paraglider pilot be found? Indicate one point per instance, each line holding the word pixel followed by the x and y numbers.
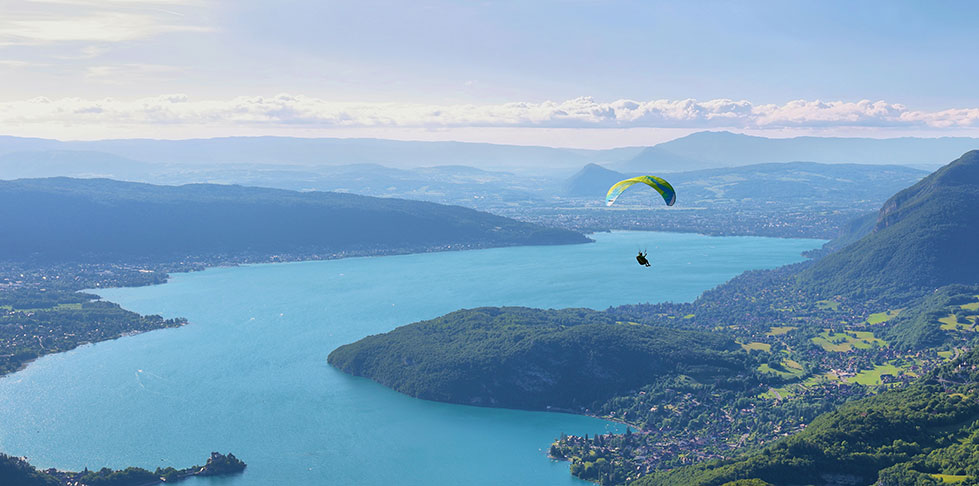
pixel 641 258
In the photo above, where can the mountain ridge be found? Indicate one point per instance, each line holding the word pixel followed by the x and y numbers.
pixel 924 238
pixel 68 219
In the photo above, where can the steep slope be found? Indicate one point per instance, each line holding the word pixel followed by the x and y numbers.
pixel 63 219
pixel 925 237
pixel 534 359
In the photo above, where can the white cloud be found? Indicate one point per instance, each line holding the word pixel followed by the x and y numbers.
pixel 97 27
pixel 45 22
pixel 304 111
pixel 124 74
pixel 13 63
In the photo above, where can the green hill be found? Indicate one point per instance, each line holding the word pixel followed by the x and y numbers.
pixel 534 359
pixel 63 219
pixel 925 237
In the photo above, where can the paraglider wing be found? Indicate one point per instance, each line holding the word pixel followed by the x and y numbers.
pixel 664 188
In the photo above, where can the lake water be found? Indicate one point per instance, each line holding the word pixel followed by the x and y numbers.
pixel 249 374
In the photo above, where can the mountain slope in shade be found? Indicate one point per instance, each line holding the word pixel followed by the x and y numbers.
pixel 926 236
pixel 62 219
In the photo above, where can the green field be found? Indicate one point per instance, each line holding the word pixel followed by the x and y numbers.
pixel 872 377
pixel 791 369
pixel 828 304
pixel 973 306
pixel 952 323
pixel 841 342
pixel 780 330
pixel 880 317
pixel 950 478
pixel 762 346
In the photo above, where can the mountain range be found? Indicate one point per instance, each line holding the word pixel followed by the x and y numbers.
pixel 701 150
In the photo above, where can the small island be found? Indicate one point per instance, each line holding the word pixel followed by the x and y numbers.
pixel 18 472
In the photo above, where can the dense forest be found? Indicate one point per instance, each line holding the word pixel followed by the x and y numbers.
pixel 573 359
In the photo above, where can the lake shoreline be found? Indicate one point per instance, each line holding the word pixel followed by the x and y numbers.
pixel 222 305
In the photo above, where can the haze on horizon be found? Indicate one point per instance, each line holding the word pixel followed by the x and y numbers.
pixel 574 73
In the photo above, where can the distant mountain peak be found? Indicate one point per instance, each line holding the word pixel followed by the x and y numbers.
pixel 592 180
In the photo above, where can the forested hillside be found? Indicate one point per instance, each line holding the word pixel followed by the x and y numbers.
pixel 925 237
pixel 572 359
pixel 61 219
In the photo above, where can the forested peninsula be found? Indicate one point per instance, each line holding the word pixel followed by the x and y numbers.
pixel 883 322
pixel 572 359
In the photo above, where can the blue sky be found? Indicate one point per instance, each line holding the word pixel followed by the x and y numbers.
pixel 577 72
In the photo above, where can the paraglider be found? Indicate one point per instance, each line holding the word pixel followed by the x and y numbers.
pixel 641 257
pixel 662 187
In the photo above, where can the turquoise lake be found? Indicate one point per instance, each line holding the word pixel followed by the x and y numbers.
pixel 249 374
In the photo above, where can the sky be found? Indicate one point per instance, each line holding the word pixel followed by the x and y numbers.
pixel 581 73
